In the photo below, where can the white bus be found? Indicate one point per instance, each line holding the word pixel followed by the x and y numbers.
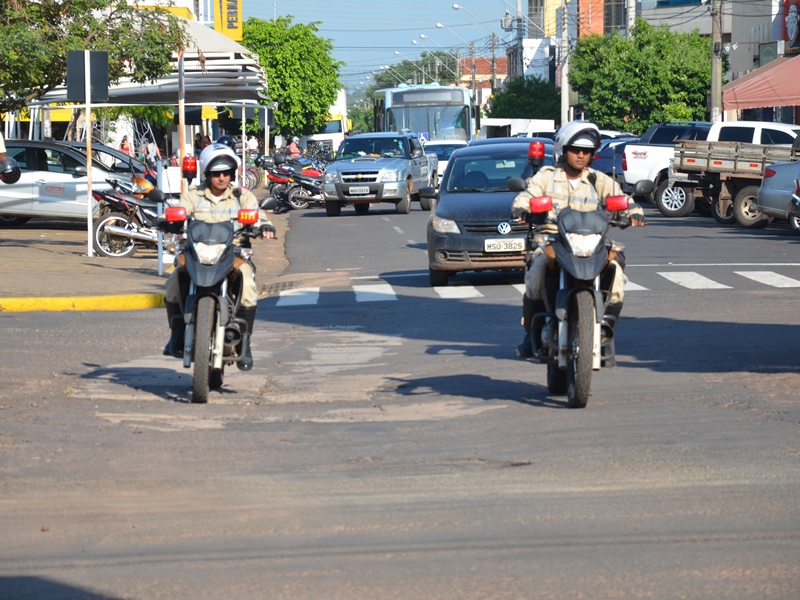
pixel 432 111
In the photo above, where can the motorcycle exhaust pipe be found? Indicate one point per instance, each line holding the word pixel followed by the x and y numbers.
pixel 136 235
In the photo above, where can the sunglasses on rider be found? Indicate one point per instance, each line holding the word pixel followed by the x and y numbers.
pixel 577 150
pixel 228 173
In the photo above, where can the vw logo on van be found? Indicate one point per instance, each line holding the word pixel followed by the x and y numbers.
pixel 504 228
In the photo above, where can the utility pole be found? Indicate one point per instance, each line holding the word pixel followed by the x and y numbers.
pixel 520 37
pixel 631 18
pixel 494 61
pixel 472 58
pixel 564 64
pixel 716 61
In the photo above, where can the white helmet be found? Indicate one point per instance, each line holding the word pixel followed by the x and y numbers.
pixel 218 157
pixel 582 134
pixel 296 139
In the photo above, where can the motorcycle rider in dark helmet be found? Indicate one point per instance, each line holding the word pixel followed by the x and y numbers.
pixel 216 201
pixel 9 170
pixel 571 183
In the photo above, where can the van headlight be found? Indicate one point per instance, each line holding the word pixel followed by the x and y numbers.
pixel 443 225
pixel 331 177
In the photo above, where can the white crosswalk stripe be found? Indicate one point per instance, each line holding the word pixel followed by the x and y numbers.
pixel 770 278
pixel 378 292
pixel 298 297
pixel 693 281
pixel 387 291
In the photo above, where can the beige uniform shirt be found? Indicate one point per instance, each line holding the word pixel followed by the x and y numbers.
pixel 553 182
pixel 201 203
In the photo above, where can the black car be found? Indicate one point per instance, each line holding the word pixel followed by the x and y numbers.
pixel 471 228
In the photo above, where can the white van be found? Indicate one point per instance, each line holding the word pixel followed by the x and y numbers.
pixel 754 132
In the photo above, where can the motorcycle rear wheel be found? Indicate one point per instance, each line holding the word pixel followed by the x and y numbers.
pixel 579 362
pixel 203 343
pixel 113 246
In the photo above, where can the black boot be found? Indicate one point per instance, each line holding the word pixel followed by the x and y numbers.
pixel 248 314
pixel 177 326
pixel 607 349
pixel 528 345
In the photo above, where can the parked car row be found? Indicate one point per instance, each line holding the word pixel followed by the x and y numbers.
pixel 54 178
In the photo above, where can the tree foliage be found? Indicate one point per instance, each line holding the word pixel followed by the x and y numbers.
pixel 526 98
pixel 303 77
pixel 35 36
pixel 629 84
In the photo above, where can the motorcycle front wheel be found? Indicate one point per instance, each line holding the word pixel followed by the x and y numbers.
pixel 580 329
pixel 203 343
pixel 113 245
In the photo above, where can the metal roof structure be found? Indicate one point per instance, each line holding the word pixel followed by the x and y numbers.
pixel 217 70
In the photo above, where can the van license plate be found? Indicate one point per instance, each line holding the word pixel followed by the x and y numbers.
pixel 359 190
pixel 504 245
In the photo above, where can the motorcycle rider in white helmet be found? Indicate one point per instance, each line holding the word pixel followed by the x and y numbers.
pixel 293 149
pixel 217 201
pixel 571 183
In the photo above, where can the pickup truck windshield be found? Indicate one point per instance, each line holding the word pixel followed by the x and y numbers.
pixel 389 147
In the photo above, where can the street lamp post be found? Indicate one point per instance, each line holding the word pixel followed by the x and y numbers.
pixel 436 58
pixel 394 74
pixel 455 58
pixel 413 63
pixel 505 43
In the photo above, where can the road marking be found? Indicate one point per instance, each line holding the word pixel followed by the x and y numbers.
pixel 770 278
pixel 458 291
pixel 634 287
pixel 397 229
pixel 694 281
pixel 520 287
pixel 298 297
pixel 379 292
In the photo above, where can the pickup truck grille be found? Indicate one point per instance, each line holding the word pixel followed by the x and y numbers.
pixel 359 176
pixel 491 228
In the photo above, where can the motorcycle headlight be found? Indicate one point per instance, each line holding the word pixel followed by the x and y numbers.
pixel 443 225
pixel 584 245
pixel 208 254
pixel 389 176
pixel 331 177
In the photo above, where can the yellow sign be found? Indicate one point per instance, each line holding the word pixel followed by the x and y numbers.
pixel 228 18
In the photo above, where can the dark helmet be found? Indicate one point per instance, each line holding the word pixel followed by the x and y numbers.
pixel 228 141
pixel 9 171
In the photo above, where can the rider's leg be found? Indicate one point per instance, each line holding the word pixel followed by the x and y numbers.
pixel 247 312
pixel 177 325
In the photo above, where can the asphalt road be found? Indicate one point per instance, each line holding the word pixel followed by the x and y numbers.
pixel 389 445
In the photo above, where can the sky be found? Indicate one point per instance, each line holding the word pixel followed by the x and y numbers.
pixel 367 34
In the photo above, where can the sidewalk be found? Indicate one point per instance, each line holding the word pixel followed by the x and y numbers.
pixel 48 269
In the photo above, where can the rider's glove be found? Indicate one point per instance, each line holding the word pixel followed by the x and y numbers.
pixel 638 221
pixel 268 229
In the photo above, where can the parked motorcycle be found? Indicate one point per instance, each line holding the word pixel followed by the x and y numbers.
pixel 574 329
pixel 213 336
pixel 128 218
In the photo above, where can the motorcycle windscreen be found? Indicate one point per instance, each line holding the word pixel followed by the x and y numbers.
pixel 583 223
pixel 209 235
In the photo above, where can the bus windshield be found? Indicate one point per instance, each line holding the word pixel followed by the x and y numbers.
pixel 439 122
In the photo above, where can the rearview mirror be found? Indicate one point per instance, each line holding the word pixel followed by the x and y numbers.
pixel 516 184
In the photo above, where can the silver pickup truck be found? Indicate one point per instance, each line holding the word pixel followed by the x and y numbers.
pixel 378 167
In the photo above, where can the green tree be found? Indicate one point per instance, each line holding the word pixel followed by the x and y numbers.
pixel 629 84
pixel 362 117
pixel 35 36
pixel 303 77
pixel 526 98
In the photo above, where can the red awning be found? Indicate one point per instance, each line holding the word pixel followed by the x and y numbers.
pixel 775 84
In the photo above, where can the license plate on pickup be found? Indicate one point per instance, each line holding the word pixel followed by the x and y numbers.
pixel 361 189
pixel 504 245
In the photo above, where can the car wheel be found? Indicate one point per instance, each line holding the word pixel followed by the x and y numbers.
pixel 794 223
pixel 723 216
pixel 675 201
pixel 438 278
pixel 424 203
pixel 745 209
pixel 404 206
pixel 6 221
pixel 361 209
pixel 333 209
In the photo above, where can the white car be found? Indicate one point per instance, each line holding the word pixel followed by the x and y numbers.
pixel 53 182
pixel 443 150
